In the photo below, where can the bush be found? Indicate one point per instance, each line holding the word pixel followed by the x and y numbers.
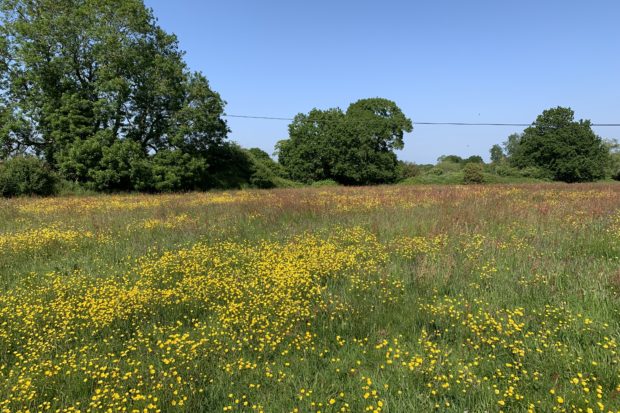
pixel 447 167
pixel 503 169
pixel 473 173
pixel 262 177
pixel 26 175
pixel 407 170
pixel 121 168
pixel 534 172
pixel 173 171
pixel 325 182
pixel 264 159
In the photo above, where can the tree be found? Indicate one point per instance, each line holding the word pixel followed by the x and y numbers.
pixel 566 149
pixel 511 146
pixel 497 154
pixel 355 147
pixel 474 159
pixel 314 142
pixel 80 76
pixel 450 158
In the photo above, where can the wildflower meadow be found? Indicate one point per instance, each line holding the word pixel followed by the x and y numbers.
pixel 337 299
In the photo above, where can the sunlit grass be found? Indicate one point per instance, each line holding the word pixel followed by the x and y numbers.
pixel 385 299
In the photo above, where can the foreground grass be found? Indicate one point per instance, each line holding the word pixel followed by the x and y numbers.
pixel 387 299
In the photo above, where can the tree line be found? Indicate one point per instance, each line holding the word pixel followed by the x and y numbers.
pixel 101 93
pixel 95 95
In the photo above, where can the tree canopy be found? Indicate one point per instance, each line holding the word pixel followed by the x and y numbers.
pixel 102 93
pixel 353 148
pixel 566 149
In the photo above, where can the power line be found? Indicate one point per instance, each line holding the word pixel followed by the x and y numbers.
pixel 256 117
pixel 425 123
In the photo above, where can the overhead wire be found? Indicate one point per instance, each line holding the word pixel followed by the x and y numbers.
pixel 424 123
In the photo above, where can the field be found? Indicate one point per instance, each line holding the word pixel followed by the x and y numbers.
pixel 384 299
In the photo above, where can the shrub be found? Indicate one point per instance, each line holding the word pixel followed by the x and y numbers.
pixel 262 177
pixel 447 166
pixel 473 173
pixel 26 175
pixel 534 172
pixel 407 170
pixel 120 168
pixel 263 158
pixel 325 182
pixel 173 171
pixel 229 166
pixel 503 169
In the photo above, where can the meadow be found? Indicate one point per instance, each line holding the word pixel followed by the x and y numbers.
pixel 378 299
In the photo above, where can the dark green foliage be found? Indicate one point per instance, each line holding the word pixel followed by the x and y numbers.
pixel 355 147
pixel 122 167
pixel 567 150
pixel 102 93
pixel 263 156
pixel 313 145
pixel 26 175
pixel 267 173
pixel 455 159
pixel 474 159
pixel 76 159
pixel 173 170
pixel 274 168
pixel 473 173
pixel 229 167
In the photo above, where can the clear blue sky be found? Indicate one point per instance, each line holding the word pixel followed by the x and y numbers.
pixel 466 61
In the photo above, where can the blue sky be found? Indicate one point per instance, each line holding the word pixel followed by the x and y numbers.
pixel 443 61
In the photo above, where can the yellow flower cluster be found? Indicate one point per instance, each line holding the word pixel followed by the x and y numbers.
pixel 203 305
pixel 410 247
pixel 36 239
pixel 171 222
pixel 382 299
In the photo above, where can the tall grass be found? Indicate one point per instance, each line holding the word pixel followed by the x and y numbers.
pixel 382 299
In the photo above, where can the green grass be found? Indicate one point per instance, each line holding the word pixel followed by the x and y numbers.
pixel 392 299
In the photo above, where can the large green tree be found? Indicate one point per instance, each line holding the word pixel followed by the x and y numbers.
pixel 355 147
pixel 85 81
pixel 566 149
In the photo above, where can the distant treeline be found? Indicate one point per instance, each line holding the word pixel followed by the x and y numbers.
pixel 94 95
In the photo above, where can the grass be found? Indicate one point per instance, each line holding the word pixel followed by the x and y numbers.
pixel 382 299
